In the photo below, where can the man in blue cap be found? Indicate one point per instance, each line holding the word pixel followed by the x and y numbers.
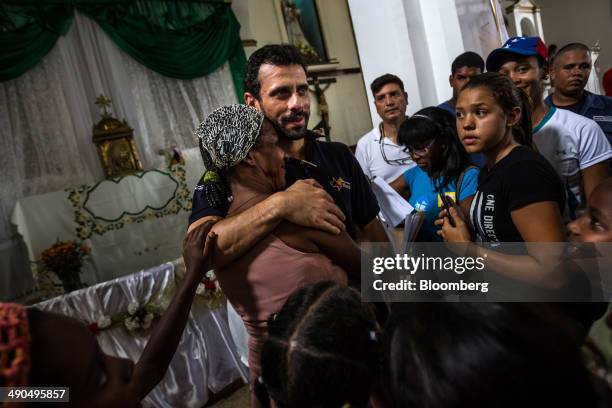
pixel 570 73
pixel 575 146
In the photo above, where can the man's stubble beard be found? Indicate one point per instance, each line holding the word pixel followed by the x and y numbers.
pixel 284 133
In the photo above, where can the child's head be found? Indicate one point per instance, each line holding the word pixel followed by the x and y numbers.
pixel 492 112
pixel 62 352
pixel 430 136
pixel 322 349
pixel 595 224
pixel 65 353
pixel 455 355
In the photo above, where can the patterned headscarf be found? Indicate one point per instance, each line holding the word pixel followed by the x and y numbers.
pixel 228 134
pixel 226 137
pixel 14 345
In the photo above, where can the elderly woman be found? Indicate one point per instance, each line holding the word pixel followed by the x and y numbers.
pixel 244 166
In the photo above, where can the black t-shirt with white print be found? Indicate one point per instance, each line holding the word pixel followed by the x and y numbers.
pixel 522 177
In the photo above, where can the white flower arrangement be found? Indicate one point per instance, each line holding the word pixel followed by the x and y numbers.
pixel 201 289
pixel 210 291
pixel 148 319
pixel 131 324
pixel 139 318
pixel 104 322
pixel 133 308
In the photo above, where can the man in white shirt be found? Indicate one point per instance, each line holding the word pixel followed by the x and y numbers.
pixel 377 151
pixel 575 146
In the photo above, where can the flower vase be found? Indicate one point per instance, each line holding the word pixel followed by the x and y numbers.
pixel 71 281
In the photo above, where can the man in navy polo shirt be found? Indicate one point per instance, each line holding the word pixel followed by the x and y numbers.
pixel 328 189
pixel 570 73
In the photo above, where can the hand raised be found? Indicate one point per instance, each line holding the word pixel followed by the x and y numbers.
pixel 198 249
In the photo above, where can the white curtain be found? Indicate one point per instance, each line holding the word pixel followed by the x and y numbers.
pixel 47 114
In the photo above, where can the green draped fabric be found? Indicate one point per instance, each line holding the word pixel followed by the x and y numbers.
pixel 178 39
pixel 27 34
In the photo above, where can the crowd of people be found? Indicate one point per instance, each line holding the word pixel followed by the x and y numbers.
pixel 279 215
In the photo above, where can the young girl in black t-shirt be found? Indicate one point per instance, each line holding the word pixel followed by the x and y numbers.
pixel 519 196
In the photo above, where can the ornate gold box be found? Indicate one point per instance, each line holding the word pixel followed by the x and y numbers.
pixel 114 141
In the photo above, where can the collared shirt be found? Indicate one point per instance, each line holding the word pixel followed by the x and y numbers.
pixel 369 154
pixel 337 171
pixel 595 107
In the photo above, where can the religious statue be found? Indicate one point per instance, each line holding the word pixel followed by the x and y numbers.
pixel 296 33
pixel 115 143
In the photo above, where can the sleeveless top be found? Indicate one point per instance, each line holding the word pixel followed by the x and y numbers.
pixel 259 282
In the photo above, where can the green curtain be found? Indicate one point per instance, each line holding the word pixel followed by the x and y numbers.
pixel 27 34
pixel 179 39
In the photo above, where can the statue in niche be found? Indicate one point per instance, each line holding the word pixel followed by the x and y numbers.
pixel 303 29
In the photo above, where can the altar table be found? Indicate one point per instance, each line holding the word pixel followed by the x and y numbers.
pixel 131 222
pixel 205 360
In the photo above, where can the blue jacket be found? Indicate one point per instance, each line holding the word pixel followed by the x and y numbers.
pixel 597 108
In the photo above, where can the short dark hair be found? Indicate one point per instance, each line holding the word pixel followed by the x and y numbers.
pixel 457 355
pixel 468 59
pixel 383 80
pixel 571 47
pixel 274 54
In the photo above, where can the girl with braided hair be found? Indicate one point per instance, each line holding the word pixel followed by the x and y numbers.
pixel 322 351
pixel 42 349
pixel 443 167
pixel 241 152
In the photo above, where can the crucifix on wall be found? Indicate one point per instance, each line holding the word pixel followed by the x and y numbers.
pixel 103 102
pixel 319 93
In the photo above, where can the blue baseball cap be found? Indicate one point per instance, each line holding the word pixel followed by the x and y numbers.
pixel 525 46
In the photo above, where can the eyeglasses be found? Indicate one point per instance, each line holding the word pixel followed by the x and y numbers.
pixel 402 161
pixel 421 151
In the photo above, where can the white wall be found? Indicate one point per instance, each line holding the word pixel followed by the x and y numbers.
pixel 436 40
pixel 347 98
pixel 348 105
pixel 585 21
pixel 416 40
pixel 384 47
